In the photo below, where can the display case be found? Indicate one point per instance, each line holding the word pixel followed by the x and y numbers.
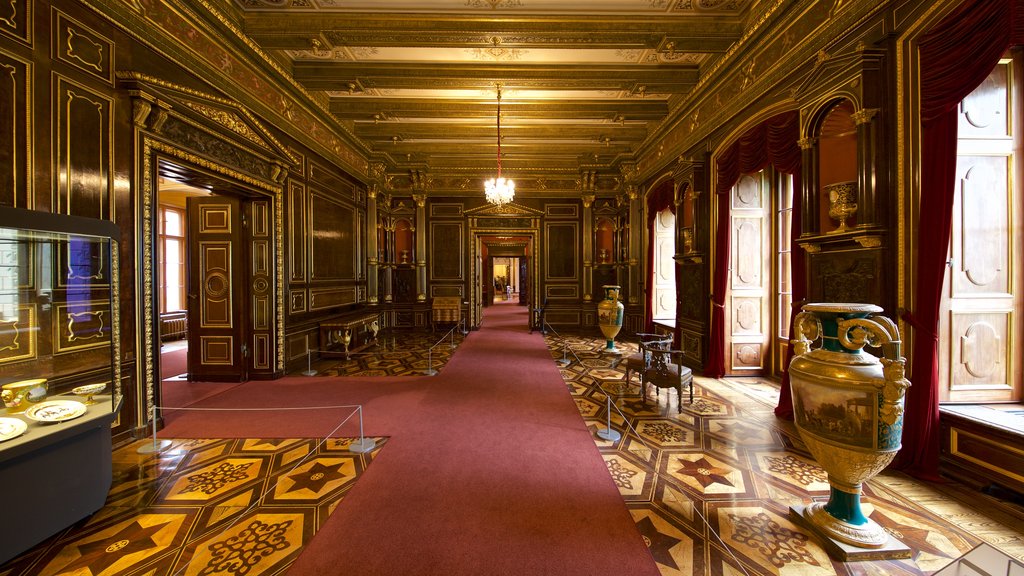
pixel 59 370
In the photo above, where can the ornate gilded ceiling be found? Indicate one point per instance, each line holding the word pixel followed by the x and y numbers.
pixel 584 82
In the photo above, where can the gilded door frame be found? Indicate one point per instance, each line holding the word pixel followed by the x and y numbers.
pixel 476 265
pixel 151 152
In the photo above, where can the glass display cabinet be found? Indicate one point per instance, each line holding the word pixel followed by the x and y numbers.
pixel 59 370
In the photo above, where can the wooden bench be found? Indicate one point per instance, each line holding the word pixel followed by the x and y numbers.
pixel 445 310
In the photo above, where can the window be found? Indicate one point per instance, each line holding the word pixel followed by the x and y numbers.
pixel 171 258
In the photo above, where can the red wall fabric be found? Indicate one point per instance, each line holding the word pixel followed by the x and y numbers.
pixel 956 56
pixel 774 142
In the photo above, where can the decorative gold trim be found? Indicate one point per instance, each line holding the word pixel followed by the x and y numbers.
pixel 954 449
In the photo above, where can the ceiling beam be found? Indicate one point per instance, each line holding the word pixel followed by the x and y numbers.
pixel 282 30
pixel 664 78
pixel 365 108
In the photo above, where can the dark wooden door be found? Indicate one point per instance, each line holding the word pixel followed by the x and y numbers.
pixel 216 311
pixel 524 281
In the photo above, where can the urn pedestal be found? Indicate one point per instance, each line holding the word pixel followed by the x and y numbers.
pixel 848 407
pixel 609 316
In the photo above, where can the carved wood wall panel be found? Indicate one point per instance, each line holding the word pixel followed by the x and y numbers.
pixel 16 19
pixel 447 251
pixel 15 128
pixel 82 142
pixel 978 345
pixel 561 253
pixel 297 239
pixel 82 47
pixel 332 232
pixel 981 236
pixel 261 285
pixel 852 276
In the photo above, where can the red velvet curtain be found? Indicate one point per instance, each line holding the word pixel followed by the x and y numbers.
pixel 774 142
pixel 663 197
pixel 956 56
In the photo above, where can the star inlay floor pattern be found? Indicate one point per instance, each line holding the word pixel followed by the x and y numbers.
pixel 214 506
pixel 710 487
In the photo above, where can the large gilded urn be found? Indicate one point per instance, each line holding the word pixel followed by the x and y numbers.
pixel 609 316
pixel 849 410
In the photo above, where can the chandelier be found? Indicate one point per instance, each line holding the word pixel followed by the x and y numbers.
pixel 499 190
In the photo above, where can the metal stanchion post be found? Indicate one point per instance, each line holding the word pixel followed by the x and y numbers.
pixel 365 444
pixel 430 364
pixel 608 433
pixel 156 446
pixel 309 364
pixel 565 358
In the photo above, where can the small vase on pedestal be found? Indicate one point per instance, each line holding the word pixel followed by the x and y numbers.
pixel 609 316
pixel 848 407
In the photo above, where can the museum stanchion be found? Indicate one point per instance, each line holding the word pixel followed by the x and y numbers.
pixel 430 351
pixel 564 360
pixel 309 364
pixel 361 446
pixel 608 433
pixel 157 445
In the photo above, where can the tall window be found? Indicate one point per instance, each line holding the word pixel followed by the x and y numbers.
pixel 171 255
pixel 784 246
pixel 664 305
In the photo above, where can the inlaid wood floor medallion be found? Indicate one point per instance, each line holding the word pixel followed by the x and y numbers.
pixel 204 507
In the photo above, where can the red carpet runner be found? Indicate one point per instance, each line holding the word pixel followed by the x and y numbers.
pixel 489 470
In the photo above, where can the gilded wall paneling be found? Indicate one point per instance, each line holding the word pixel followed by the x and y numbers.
pixel 16 127
pixel 324 298
pixel 332 247
pixel 298 241
pixel 570 211
pixel 82 151
pixel 446 251
pixel 18 335
pixel 561 292
pixel 447 290
pixel 446 210
pixel 261 283
pixel 296 300
pixel 299 344
pixel 329 179
pixel 82 47
pixel 561 251
pixel 81 325
pixel 16 19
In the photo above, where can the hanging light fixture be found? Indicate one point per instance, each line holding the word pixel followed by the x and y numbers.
pixel 499 190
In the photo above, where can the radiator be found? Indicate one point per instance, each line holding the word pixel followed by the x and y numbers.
pixel 173 326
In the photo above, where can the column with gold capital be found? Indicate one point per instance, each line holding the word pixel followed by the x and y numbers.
pixel 421 246
pixel 371 245
pixel 588 246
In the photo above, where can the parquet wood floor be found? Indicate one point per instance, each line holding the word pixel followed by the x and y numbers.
pixel 710 487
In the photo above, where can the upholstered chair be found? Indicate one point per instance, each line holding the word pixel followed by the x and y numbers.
pixel 665 370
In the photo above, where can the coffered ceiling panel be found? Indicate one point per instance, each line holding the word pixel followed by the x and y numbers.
pixel 583 83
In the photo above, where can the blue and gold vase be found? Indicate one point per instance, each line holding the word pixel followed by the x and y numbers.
pixel 849 410
pixel 609 316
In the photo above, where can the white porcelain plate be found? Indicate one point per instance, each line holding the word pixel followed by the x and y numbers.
pixel 55 411
pixel 11 428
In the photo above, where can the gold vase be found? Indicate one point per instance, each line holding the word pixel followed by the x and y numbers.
pixel 848 408
pixel 842 203
pixel 609 316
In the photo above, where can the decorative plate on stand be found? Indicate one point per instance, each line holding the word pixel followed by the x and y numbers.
pixel 55 411
pixel 11 428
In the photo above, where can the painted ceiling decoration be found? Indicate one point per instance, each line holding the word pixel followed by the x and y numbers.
pixel 584 84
